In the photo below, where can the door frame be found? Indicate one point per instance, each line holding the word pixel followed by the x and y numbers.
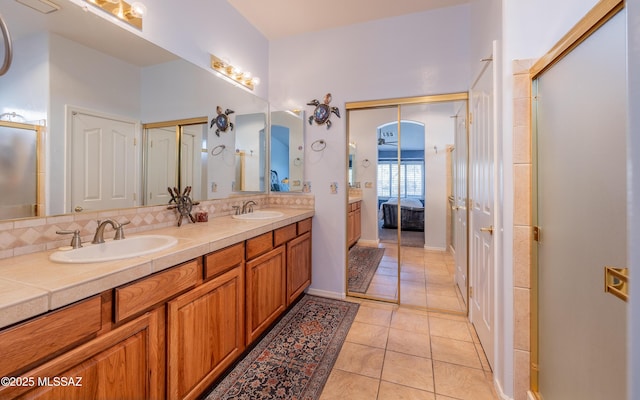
pixel 600 14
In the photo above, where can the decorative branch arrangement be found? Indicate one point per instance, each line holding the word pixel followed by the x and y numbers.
pixel 183 203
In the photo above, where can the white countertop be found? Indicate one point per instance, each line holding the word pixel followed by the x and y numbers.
pixel 32 284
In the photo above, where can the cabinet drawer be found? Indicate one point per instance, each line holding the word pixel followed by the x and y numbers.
pixel 259 245
pixel 304 226
pixel 283 235
pixel 43 337
pixel 147 292
pixel 223 260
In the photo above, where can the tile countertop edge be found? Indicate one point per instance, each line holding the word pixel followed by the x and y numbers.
pixel 194 240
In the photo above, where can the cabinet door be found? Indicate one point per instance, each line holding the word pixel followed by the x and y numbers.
pixel 357 224
pixel 351 225
pixel 266 291
pixel 298 266
pixel 122 364
pixel 205 333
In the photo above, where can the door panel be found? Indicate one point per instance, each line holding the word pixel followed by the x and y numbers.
pixel 161 162
pixel 102 163
pixel 481 260
pixel 581 210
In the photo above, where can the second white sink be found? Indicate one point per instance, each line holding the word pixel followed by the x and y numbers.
pixel 260 214
pixel 114 249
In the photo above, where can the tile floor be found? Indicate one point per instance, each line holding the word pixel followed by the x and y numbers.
pixel 397 353
pixel 405 352
pixel 426 278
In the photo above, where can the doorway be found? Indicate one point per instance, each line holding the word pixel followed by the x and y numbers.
pixel 422 275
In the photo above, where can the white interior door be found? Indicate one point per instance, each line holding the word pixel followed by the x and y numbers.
pixel 161 164
pixel 482 204
pixel 581 205
pixel 103 171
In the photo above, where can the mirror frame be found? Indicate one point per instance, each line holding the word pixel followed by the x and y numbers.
pixel 398 102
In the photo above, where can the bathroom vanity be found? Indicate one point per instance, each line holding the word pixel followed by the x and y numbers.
pixel 163 325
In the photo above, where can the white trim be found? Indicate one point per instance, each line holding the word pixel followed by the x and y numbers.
pixel 368 243
pixel 435 248
pixel 500 392
pixel 324 293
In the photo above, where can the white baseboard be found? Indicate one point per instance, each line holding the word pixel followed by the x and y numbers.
pixel 368 243
pixel 499 391
pixel 324 293
pixel 531 396
pixel 434 248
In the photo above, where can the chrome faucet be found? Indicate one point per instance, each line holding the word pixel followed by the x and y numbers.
pixel 247 207
pixel 99 236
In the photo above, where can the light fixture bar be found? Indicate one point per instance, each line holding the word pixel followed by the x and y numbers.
pixel 242 77
pixel 129 13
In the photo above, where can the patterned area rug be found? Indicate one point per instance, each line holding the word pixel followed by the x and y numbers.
pixel 294 359
pixel 363 263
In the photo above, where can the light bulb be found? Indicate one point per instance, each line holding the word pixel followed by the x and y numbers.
pixel 138 9
pixel 255 80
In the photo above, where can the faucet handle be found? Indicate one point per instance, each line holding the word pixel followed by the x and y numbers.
pixel 76 242
pixel 236 210
pixel 120 230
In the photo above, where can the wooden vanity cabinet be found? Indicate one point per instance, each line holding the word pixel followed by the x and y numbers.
pixel 354 226
pixel 205 333
pixel 125 363
pixel 167 335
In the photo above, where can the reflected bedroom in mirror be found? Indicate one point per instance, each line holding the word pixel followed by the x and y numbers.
pixel 102 106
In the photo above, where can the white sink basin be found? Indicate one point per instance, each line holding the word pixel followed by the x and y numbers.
pixel 260 214
pixel 114 249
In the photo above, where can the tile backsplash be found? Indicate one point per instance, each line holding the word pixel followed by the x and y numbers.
pixel 24 236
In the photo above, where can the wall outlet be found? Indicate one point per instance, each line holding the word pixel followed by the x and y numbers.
pixel 334 187
pixel 214 187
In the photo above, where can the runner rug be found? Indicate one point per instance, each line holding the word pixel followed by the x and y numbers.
pixel 294 359
pixel 363 263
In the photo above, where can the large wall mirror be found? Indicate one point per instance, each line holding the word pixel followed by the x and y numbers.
pixel 407 163
pixel 82 75
pixel 287 151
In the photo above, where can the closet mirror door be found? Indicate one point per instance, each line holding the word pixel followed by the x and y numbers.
pixel 428 181
pixel 408 169
pixel 372 236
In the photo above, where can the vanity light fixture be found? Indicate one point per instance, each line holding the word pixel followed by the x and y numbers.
pixel 129 13
pixel 234 73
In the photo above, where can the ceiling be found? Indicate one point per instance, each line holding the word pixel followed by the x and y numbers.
pixel 277 19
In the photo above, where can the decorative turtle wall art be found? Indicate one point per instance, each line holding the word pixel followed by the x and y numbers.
pixel 323 111
pixel 221 121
